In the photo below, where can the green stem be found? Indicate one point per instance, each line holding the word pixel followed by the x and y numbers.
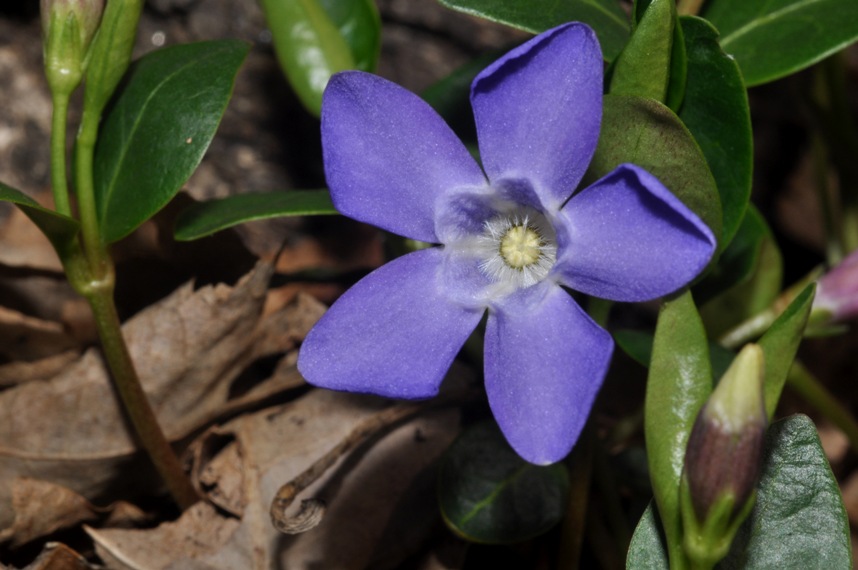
pixel 96 251
pixel 59 184
pixel 100 297
pixel 808 387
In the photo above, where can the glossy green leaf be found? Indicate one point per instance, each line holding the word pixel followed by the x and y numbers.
pixel 776 38
pixel 679 381
pixel 643 67
pixel 746 279
pixel 638 346
pixel 309 47
pixel 646 550
pixel 716 112
pixel 58 228
pixel 360 25
pixel 798 520
pixel 159 128
pixel 606 17
pixel 489 494
pixel 205 218
pixel 647 133
pixel 780 343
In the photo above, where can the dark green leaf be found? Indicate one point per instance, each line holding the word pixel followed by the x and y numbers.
pixel 799 520
pixel 646 551
pixel 643 67
pixel 679 382
pixel 773 39
pixel 746 279
pixel 360 25
pixel 489 494
pixel 309 47
pixel 206 218
pixel 604 16
pixel 716 112
pixel 159 129
pixel 647 133
pixel 59 229
pixel 780 344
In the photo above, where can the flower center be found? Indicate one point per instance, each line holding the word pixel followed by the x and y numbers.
pixel 517 249
pixel 521 246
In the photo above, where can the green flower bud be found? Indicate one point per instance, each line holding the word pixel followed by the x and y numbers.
pixel 723 459
pixel 68 27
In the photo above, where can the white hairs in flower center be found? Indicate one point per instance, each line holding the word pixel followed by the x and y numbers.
pixel 517 249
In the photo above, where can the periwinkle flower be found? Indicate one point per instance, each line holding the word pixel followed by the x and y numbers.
pixel 510 239
pixel 837 292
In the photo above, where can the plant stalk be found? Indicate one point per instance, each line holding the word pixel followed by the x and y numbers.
pixel 136 403
pixel 59 184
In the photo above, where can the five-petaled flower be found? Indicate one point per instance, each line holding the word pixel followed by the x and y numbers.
pixel 510 239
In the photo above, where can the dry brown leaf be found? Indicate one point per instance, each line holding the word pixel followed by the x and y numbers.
pixel 189 349
pixel 24 245
pixel 41 508
pixel 20 372
pixel 28 338
pixel 381 500
pixel 56 556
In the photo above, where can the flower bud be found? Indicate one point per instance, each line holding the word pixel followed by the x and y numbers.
pixel 68 27
pixel 723 458
pixel 837 292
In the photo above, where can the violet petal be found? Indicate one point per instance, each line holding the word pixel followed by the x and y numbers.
pixel 538 111
pixel 389 156
pixel 627 238
pixel 545 360
pixel 394 333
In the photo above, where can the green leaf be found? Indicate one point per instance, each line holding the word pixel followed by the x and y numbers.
pixel 643 67
pixel 647 133
pixel 776 38
pixel 780 344
pixel 680 380
pixel 309 47
pixel 638 346
pixel 646 550
pixel 206 218
pixel 489 494
pixel 606 17
pixel 716 112
pixel 360 25
pixel 799 520
pixel 159 128
pixel 746 279
pixel 58 228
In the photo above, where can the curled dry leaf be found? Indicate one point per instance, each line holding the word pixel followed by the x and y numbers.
pixel 381 499
pixel 56 556
pixel 28 338
pixel 42 508
pixel 190 348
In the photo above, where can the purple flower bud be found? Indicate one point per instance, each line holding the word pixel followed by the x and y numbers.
pixel 837 292
pixel 725 447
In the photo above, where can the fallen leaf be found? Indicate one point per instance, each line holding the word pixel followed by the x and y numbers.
pixel 23 371
pixel 41 508
pixel 189 349
pixel 29 338
pixel 381 500
pixel 57 556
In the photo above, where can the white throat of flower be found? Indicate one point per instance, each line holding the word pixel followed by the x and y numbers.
pixel 518 249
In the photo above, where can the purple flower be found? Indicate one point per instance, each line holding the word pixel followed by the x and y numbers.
pixel 511 238
pixel 837 292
